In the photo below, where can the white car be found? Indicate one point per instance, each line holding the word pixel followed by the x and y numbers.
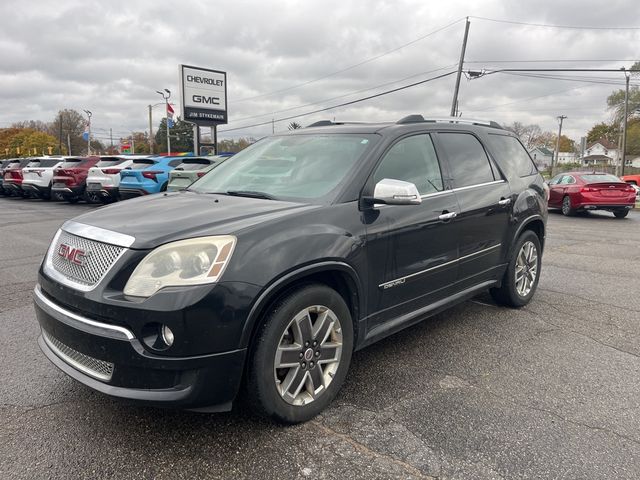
pixel 637 189
pixel 103 181
pixel 38 174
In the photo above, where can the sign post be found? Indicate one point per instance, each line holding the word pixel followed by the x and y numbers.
pixel 203 98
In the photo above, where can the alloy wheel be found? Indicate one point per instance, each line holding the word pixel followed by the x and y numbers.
pixel 526 269
pixel 308 355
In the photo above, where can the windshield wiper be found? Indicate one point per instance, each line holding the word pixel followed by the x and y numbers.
pixel 250 193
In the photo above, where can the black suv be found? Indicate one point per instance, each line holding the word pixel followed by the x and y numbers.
pixel 274 268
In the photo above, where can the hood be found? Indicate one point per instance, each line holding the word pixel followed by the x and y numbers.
pixel 157 219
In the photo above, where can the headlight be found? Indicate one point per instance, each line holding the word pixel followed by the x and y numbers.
pixel 187 262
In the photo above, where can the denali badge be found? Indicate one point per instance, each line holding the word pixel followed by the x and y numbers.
pixel 72 254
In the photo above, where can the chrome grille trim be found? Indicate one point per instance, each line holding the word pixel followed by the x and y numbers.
pixel 100 258
pixel 91 366
pixel 98 234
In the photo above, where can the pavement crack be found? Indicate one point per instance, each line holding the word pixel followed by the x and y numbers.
pixel 407 467
pixel 584 335
pixel 587 300
pixel 564 419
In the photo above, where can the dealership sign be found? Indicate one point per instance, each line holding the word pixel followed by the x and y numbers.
pixel 203 95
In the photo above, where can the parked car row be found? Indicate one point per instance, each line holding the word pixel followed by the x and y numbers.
pixel 101 178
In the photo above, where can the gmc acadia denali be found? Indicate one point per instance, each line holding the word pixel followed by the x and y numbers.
pixel 269 272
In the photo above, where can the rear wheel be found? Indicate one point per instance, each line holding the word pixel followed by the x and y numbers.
pixel 72 199
pixel 566 207
pixel 301 356
pixel 621 213
pixel 523 272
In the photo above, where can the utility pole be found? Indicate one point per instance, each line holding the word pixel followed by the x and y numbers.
pixel 68 144
pixel 555 164
pixel 454 103
pixel 133 144
pixel 60 146
pixel 150 131
pixel 111 136
pixel 627 74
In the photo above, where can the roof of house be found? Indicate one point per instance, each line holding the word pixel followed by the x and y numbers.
pixel 605 143
pixel 543 150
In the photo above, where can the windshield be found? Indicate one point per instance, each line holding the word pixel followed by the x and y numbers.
pixel 109 162
pixel 194 164
pixel 141 164
pixel 296 167
pixel 600 177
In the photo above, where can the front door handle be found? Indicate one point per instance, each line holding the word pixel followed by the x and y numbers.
pixel 447 216
pixel 504 202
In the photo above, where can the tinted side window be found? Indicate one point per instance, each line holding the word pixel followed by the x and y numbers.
pixel 468 161
pixel 414 160
pixel 511 155
pixel 175 163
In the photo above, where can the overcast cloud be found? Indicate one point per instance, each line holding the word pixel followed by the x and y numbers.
pixel 111 57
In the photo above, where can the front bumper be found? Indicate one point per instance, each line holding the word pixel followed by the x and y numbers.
pixel 109 358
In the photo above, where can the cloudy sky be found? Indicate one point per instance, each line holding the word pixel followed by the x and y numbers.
pixel 285 58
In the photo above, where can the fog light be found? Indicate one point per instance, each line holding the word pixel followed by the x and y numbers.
pixel 167 335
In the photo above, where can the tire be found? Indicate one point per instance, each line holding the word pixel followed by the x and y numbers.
pixel 164 187
pixel 72 199
pixel 272 392
pixel 566 207
pixel 621 213
pixel 511 293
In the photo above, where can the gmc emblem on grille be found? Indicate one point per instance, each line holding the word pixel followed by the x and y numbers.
pixel 72 254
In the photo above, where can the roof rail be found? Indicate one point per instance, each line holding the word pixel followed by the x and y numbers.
pixel 468 121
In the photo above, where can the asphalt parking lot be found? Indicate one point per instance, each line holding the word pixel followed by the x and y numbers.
pixel 549 391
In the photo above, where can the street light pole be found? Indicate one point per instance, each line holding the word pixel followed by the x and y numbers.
pixel 555 164
pixel 89 132
pixel 166 101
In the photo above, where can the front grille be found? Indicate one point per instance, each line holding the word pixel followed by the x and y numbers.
pixel 91 366
pixel 94 262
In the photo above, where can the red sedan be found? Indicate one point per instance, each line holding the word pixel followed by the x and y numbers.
pixel 580 191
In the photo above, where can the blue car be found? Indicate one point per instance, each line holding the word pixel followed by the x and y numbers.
pixel 147 175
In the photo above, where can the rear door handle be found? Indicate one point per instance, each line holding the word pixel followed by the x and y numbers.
pixel 504 202
pixel 447 216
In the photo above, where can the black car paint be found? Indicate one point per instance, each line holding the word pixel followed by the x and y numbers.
pixel 355 247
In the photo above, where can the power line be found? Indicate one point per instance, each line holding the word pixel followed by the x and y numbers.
pixel 340 105
pixel 345 95
pixel 351 67
pixel 548 25
pixel 552 61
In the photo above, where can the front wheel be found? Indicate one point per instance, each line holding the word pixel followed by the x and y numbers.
pixel 523 272
pixel 621 213
pixel 301 356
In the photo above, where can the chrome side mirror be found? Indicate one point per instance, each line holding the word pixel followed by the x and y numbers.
pixel 396 192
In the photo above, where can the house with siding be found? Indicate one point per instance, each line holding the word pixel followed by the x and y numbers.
pixel 601 152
